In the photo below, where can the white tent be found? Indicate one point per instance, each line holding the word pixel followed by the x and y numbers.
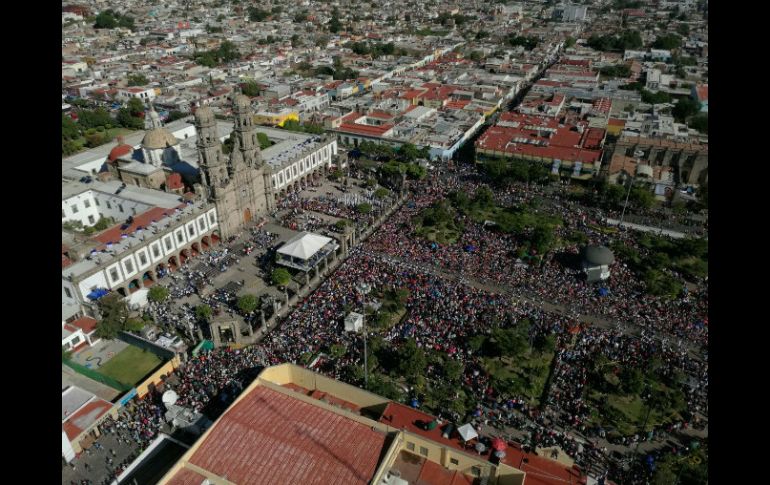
pixel 467 432
pixel 304 246
pixel 353 322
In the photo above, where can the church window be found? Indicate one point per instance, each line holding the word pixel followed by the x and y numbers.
pixel 202 224
pixel 129 266
pixel 87 203
pixel 142 259
pixel 114 274
pixel 74 208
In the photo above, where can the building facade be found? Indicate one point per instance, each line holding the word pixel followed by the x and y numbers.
pixel 240 188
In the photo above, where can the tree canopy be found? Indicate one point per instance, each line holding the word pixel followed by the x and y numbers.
pixel 248 303
pixel 280 277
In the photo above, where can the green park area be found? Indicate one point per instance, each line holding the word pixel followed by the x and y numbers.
pixel 659 256
pixel 130 365
pixel 443 221
pixel 627 399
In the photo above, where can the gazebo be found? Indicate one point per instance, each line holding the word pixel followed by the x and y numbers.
pixel 305 251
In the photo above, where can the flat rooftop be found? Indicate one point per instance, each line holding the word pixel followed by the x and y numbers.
pixel 271 437
pixel 540 471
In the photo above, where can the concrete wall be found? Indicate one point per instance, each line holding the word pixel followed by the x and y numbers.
pixel 164 370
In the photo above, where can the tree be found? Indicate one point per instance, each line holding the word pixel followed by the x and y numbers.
pixel 667 42
pixel 685 108
pixel 411 360
pixel 280 277
pixel 114 314
pixel 509 342
pixel 175 115
pixel 105 20
pixel 250 88
pixel 203 312
pixel 127 120
pixel 334 24
pixel 69 129
pixel 137 79
pixel 381 193
pixel 631 380
pixel 135 107
pixel 415 172
pixel 93 119
pixel 158 294
pixel 569 42
pixel 264 141
pixel 257 15
pixel 453 370
pixel 642 197
pixel 247 304
pixel 134 324
pixel 364 208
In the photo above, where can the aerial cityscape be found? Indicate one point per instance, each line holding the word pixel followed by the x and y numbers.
pixel 408 242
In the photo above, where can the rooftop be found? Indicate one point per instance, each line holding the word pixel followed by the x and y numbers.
pixel 271 437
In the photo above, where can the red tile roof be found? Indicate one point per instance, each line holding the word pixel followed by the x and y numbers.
pixel 435 474
pixel 186 476
pixel 367 130
pixel 142 220
pixel 86 324
pixel 85 417
pixel 540 470
pixel 270 437
pixel 564 143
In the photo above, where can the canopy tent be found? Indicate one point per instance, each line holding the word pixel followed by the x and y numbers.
pixel 353 322
pixel 304 246
pixel 97 293
pixel 467 432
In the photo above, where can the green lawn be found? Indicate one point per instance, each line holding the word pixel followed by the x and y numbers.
pixel 130 365
pixel 526 374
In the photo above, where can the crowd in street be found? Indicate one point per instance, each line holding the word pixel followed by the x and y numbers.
pixel 443 315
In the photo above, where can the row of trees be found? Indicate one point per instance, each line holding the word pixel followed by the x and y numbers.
pixel 528 42
pixel 110 19
pixel 628 39
pixel 226 52
pixel 92 127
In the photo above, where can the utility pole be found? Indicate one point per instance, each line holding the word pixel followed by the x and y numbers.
pixel 638 154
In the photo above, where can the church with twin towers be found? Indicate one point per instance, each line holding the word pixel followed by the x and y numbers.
pixel 239 185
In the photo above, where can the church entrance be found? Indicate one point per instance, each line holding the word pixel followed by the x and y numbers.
pixel 247 215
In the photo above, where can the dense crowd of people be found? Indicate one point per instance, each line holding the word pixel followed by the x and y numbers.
pixel 442 315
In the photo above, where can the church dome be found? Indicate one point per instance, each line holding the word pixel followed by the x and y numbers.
pixel 159 138
pixel 204 115
pixel 120 150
